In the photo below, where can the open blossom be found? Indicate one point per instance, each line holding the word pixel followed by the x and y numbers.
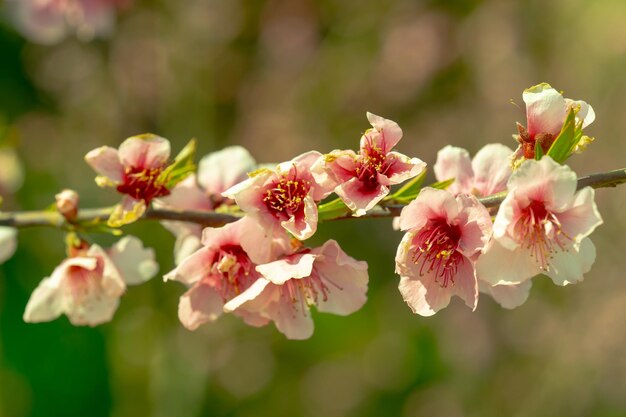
pixel 484 175
pixel 325 277
pixel 546 111
pixel 285 196
pixel 217 172
pixel 49 21
pixel 136 169
pixel 87 285
pixel 542 227
pixel 362 180
pixel 436 258
pixel 221 269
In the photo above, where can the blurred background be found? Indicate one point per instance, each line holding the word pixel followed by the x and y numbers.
pixel 281 77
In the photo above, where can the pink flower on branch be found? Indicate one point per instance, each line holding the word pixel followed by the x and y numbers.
pixel 221 269
pixel 285 196
pixel 140 170
pixel 217 172
pixel 484 175
pixel 362 180
pixel 542 226
pixel 88 284
pixel 436 257
pixel 325 277
pixel 546 111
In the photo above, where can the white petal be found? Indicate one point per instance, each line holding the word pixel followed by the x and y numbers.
pixel 8 242
pixel 45 303
pixel 453 162
pixel 135 263
pixel 568 267
pixel 220 170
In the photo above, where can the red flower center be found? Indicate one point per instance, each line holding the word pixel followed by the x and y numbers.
pixel 373 160
pixel 232 271
pixel 434 247
pixel 285 198
pixel 528 142
pixel 541 232
pixel 143 184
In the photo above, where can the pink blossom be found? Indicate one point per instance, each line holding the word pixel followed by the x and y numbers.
pixel 285 196
pixel 136 169
pixel 49 21
pixel 221 269
pixel 87 286
pixel 546 111
pixel 436 257
pixel 325 277
pixel 362 180
pixel 541 227
pixel 217 172
pixel 484 175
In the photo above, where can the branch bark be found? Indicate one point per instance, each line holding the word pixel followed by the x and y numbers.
pixel 22 219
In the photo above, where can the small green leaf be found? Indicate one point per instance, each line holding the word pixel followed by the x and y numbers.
pixel 332 210
pixel 408 191
pixel 570 135
pixel 442 185
pixel 538 151
pixel 182 166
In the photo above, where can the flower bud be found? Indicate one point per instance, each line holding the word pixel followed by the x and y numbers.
pixel 67 204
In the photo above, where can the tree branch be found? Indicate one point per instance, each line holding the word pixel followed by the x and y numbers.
pixel 22 219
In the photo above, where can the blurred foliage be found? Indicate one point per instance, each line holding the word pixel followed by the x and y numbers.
pixel 281 77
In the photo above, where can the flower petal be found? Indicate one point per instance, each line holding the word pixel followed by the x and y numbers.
pixel 568 267
pixel 135 263
pixel 508 296
pixel 545 110
pixel 199 305
pixel 292 267
pixel 105 161
pixel 220 170
pixel 401 168
pixel 582 219
pixel 453 162
pixel 492 169
pixel 45 303
pixel 390 132
pixel 8 242
pixel 424 296
pixel 358 198
pixel 430 203
pixel 144 151
pixel 498 265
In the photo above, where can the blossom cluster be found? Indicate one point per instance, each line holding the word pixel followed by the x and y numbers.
pixel 260 268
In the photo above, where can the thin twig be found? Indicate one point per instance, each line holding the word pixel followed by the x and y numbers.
pixel 49 218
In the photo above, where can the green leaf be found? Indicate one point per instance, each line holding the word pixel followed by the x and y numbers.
pixel 182 166
pixel 538 151
pixel 408 191
pixel 442 185
pixel 332 210
pixel 570 135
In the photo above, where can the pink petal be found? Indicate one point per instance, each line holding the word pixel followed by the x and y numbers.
pixel 261 244
pixel 305 226
pixel 508 296
pixel 476 226
pixel 144 151
pixel 220 170
pixel 345 277
pixel 390 132
pixel 358 198
pixel 423 295
pixel 255 298
pixel 568 267
pixel 294 323
pixel 545 110
pixel 453 162
pixel 45 303
pixel 401 169
pixel 465 284
pixel 430 203
pixel 499 266
pixel 199 305
pixel 193 268
pixel 292 267
pixel 582 219
pixel 105 161
pixel 135 263
pixel 492 169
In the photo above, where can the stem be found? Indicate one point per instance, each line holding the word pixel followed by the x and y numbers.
pixel 22 219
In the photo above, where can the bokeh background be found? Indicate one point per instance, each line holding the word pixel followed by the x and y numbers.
pixel 281 77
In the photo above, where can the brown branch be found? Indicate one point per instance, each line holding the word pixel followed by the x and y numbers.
pixel 48 218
